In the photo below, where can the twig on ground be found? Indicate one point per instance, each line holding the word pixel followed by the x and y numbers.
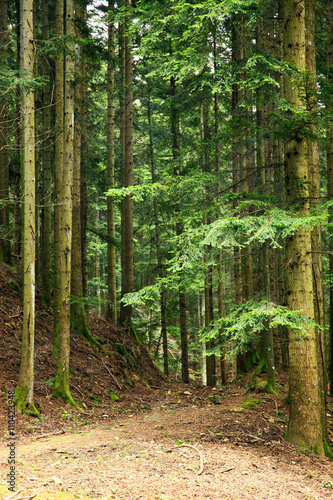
pixel 200 471
pixel 78 390
pixel 111 375
pixel 254 437
pixel 8 316
pixel 48 434
pixel 227 470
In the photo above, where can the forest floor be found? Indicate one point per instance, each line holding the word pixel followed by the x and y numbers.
pixel 159 440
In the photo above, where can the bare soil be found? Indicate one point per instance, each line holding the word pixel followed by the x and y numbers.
pixel 160 439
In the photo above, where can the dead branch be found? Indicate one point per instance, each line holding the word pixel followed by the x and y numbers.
pixel 227 470
pixel 78 390
pixel 255 437
pixel 200 471
pixel 112 376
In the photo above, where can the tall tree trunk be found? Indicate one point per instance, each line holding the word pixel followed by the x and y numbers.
pixel 111 312
pixel 58 169
pixel 5 251
pixel 329 153
pixel 127 168
pixel 307 401
pixel 24 390
pixel 175 134
pixel 65 198
pixel 46 215
pixel 158 250
pixel 78 315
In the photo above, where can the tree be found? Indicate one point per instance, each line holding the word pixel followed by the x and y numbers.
pixel 127 163
pixel 65 223
pixel 112 284
pixel 24 391
pixel 46 216
pixel 307 401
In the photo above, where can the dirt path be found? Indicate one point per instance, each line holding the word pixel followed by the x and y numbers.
pixel 138 457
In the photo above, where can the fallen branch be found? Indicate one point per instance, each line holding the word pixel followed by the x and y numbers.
pixel 41 436
pixel 78 390
pixel 111 375
pixel 255 437
pixel 200 471
pixel 227 470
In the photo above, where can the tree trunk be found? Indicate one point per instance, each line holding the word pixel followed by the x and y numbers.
pixel 111 313
pixel 175 135
pixel 127 169
pixel 78 315
pixel 58 170
pixel 24 389
pixel 329 154
pixel 307 401
pixel 158 250
pixel 46 215
pixel 5 251
pixel 65 198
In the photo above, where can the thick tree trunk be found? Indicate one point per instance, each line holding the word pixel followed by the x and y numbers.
pixel 24 389
pixel 65 195
pixel 5 251
pixel 111 312
pixel 307 400
pixel 329 153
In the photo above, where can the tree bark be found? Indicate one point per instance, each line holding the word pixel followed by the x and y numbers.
pixel 66 204
pixel 58 170
pixel 307 401
pixel 46 215
pixel 158 250
pixel 329 155
pixel 111 312
pixel 24 390
pixel 127 170
pixel 78 315
pixel 175 134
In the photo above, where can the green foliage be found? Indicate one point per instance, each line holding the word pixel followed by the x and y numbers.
pixel 246 322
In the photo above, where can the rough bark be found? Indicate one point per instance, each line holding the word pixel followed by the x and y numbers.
pixel 307 401
pixel 329 155
pixel 127 169
pixel 78 315
pixel 111 312
pixel 58 171
pixel 158 250
pixel 46 214
pixel 24 390
pixel 175 134
pixel 65 230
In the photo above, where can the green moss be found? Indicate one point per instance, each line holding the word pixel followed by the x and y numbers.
pixel 21 398
pixel 327 450
pixel 119 348
pixel 14 286
pixel 61 386
pixel 79 323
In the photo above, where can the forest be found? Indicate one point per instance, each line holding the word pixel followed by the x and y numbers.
pixel 168 165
